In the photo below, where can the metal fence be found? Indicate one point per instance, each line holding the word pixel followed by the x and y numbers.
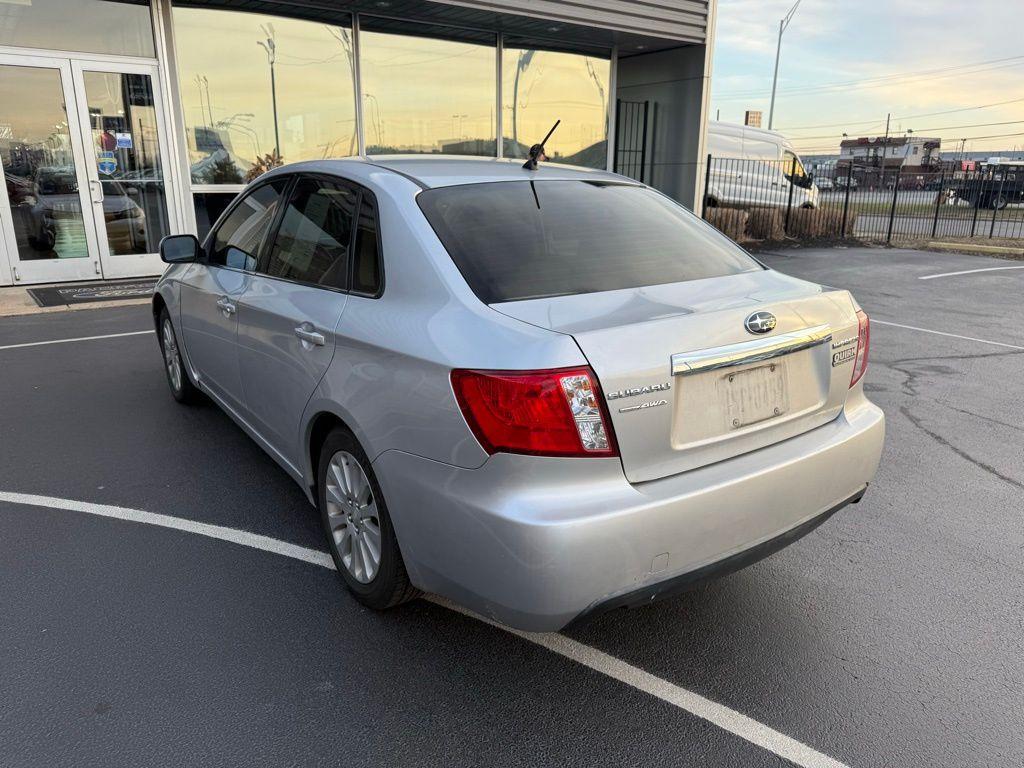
pixel 776 200
pixel 630 157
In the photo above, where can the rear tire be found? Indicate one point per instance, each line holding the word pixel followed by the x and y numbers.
pixel 178 379
pixel 358 528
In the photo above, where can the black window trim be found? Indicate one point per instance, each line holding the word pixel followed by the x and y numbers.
pixel 263 257
pixel 266 246
pixel 364 192
pixel 208 241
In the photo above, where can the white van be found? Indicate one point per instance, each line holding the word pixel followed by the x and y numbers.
pixel 753 167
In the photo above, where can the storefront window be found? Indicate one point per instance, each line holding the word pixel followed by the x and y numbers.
pixel 258 91
pixel 97 26
pixel 540 87
pixel 426 94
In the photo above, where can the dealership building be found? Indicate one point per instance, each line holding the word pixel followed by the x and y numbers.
pixel 122 121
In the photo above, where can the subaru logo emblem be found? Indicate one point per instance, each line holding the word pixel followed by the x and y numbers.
pixel 760 322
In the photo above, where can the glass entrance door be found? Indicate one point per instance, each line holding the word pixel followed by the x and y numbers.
pixel 45 208
pixel 83 153
pixel 122 122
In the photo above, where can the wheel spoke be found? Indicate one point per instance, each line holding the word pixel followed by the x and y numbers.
pixel 364 497
pixel 335 501
pixel 339 478
pixel 369 565
pixel 352 474
pixel 372 543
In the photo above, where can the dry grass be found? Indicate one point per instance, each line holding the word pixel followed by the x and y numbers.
pixel 729 221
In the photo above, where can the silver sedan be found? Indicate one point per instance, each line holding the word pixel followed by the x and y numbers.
pixel 542 394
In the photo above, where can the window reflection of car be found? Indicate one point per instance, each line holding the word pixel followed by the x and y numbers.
pixel 57 199
pixel 19 190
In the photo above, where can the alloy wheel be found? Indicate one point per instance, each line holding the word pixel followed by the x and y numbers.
pixel 172 358
pixel 353 517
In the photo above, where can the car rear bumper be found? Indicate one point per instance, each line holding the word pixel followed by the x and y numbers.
pixel 537 543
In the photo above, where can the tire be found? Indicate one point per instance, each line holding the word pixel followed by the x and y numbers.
pixel 355 520
pixel 178 379
pixel 998 203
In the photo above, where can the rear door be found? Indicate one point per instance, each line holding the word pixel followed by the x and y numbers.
pixel 211 291
pixel 290 311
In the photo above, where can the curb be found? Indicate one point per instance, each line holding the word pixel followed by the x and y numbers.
pixel 973 248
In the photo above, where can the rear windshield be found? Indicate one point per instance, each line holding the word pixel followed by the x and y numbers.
pixel 517 240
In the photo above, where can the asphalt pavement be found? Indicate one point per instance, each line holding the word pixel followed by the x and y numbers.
pixel 891 636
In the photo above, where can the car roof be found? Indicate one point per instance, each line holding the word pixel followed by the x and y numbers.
pixel 430 171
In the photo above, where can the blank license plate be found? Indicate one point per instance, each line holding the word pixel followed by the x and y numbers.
pixel 754 395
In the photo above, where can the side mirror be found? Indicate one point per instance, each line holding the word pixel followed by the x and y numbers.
pixel 179 249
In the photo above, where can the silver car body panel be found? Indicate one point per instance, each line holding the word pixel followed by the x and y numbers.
pixel 533 541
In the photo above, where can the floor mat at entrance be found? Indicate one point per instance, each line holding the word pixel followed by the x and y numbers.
pixel 59 295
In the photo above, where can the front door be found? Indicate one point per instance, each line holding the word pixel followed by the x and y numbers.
pixel 83 154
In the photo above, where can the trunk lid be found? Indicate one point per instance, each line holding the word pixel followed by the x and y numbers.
pixel 687 384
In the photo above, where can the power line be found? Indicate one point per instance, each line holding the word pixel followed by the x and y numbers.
pixel 918 130
pixel 882 81
pixel 902 117
pixel 832 148
pixel 894 75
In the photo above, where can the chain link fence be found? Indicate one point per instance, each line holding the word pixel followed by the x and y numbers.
pixel 760 200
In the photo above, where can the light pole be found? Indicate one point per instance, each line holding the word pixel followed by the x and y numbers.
pixel 271 49
pixel 783 23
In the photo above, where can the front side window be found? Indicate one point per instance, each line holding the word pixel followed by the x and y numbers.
pixel 792 167
pixel 237 241
pixel 312 244
pixel 523 240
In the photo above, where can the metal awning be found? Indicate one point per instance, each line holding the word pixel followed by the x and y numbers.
pixel 593 27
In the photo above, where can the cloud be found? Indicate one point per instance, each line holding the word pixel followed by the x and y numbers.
pixel 837 42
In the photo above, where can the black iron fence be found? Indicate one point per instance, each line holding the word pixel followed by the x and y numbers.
pixel 777 200
pixel 630 158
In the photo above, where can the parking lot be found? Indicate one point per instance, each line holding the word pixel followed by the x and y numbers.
pixel 163 598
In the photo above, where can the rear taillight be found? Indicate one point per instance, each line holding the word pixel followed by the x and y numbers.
pixel 558 412
pixel 860 363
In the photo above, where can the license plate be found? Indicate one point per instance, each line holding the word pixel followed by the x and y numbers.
pixel 754 395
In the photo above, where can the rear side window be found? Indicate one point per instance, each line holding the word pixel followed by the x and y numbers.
pixel 523 240
pixel 366 269
pixel 312 243
pixel 237 241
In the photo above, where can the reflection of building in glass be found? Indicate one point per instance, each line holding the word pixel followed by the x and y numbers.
pixel 282 81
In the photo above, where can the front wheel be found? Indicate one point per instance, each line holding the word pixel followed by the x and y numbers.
pixel 182 388
pixel 999 202
pixel 357 525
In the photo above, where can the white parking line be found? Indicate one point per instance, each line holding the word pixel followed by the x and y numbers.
pixel 965 272
pixel 725 718
pixel 79 338
pixel 943 333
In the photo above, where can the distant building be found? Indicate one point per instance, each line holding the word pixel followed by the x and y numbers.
pixel 752 118
pixel 875 159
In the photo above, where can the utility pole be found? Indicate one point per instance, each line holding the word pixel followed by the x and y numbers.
pixel 271 50
pixel 783 23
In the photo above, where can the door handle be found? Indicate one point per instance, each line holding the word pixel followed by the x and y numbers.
pixel 309 335
pixel 226 306
pixel 96 191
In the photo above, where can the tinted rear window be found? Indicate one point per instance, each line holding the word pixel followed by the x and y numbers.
pixel 523 240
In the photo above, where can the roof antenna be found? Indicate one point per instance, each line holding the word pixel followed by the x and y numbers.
pixel 537 151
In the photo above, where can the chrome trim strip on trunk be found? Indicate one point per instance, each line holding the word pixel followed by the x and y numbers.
pixel 754 351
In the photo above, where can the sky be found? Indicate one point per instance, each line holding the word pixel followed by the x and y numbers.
pixel 846 64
